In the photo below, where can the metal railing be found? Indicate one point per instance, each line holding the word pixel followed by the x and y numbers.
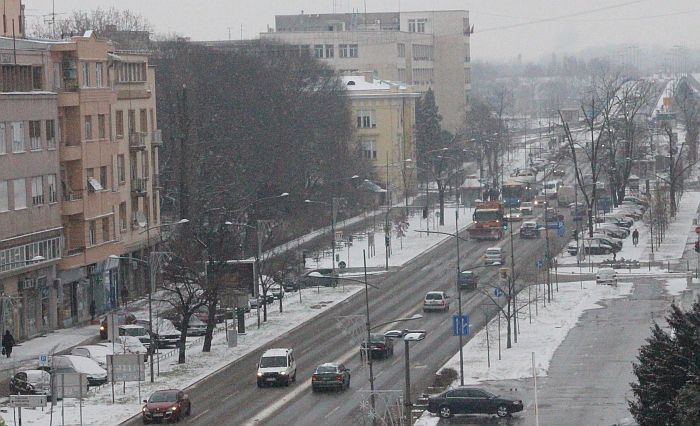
pixel 137 140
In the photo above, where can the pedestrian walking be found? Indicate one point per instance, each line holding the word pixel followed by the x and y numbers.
pixel 125 295
pixel 92 310
pixel 7 343
pixel 635 237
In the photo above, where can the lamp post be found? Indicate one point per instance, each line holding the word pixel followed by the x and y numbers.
pixel 151 282
pixel 407 336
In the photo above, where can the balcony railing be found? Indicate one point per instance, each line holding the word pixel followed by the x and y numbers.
pixel 137 141
pixel 157 138
pixel 76 250
pixel 156 181
pixel 138 186
pixel 73 195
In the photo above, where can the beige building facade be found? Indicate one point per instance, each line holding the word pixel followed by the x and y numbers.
pixel 384 114
pixel 423 49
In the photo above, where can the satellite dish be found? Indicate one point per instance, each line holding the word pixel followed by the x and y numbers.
pixel 141 219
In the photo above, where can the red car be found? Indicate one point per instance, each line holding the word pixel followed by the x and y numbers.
pixel 168 405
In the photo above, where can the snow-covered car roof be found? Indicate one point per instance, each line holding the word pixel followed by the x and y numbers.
pixel 276 352
pixel 84 365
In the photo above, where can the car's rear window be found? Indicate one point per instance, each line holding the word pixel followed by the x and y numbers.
pixel 493 252
pixel 326 369
pixel 433 296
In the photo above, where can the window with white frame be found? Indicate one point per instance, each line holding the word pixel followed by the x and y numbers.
pixel 401 50
pixel 86 74
pixel 318 51
pixel 402 74
pixel 3 143
pixel 365 119
pixel 343 51
pixel 17 136
pixel 329 53
pixel 92 233
pixel 420 25
pixel 98 74
pixel 4 196
pixel 369 149
pixel 37 191
pixel 35 135
pixel 18 257
pixel 422 52
pixel 353 50
pixel 411 25
pixel 88 127
pixel 53 188
pixel 19 190
pixel 50 134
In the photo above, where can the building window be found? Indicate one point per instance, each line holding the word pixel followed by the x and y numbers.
pixel 318 51
pixel 422 76
pixel 92 233
pixel 53 189
pixel 354 51
pixel 365 120
pixel 35 135
pixel 93 184
pixel 4 198
pixel 329 51
pixel 122 217
pixel 103 176
pixel 420 25
pixel 19 188
pixel 86 74
pixel 402 50
pixel 120 124
pixel 37 191
pixel 51 134
pixel 411 25
pixel 369 149
pixel 101 126
pixel 88 127
pixel 17 137
pixel 98 74
pixel 143 120
pixel 132 72
pixel 402 74
pixel 343 49
pixel 105 229
pixel 422 52
pixel 121 171
pixel 3 144
pixel 17 257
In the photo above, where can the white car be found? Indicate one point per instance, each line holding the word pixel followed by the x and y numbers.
pixel 96 375
pixel 97 353
pixel 526 208
pixel 277 366
pixel 436 300
pixel 606 276
pixel 494 256
pixel 513 215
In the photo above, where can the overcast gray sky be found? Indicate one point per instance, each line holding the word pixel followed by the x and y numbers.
pixel 503 28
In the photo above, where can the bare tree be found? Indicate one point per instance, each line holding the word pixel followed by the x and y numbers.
pixel 102 21
pixel 686 103
pixel 678 165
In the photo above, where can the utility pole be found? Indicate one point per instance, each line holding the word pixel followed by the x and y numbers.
pixel 183 130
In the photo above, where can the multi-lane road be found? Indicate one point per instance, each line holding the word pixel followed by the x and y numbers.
pixel 230 396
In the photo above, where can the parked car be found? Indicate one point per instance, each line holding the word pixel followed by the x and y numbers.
pixel 318 277
pixel 466 400
pixel 468 280
pixel 170 405
pixel 615 243
pixel 513 215
pixel 276 290
pixel 620 221
pixel 164 332
pixel 636 200
pixel 614 230
pixel 380 346
pixel 97 353
pixel 529 229
pixel 121 317
pixel 606 276
pixel 219 316
pixel 137 331
pixel 31 382
pixel 494 256
pixel 96 375
pixel 196 327
pixel 572 248
pixel 289 284
pixel 436 301
pixel 277 366
pixel 127 345
pixel 330 375
pixel 526 208
pixel 596 248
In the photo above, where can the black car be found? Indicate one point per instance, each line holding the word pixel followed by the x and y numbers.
pixel 330 376
pixel 529 229
pixel 465 400
pixel 380 346
pixel 468 280
pixel 289 284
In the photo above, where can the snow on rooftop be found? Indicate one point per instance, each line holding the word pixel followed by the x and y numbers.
pixel 360 83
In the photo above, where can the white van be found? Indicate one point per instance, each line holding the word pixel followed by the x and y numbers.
pixel 606 276
pixel 277 366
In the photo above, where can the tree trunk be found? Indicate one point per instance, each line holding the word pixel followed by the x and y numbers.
pixel 441 193
pixel 183 339
pixel 508 317
pixel 211 322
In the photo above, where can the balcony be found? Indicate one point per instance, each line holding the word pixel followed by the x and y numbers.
pixel 156 181
pixel 157 138
pixel 139 187
pixel 71 151
pixel 137 141
pixel 72 203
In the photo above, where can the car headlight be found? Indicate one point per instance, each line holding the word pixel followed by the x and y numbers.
pixel 260 374
pixel 174 408
pixel 283 373
pixel 145 410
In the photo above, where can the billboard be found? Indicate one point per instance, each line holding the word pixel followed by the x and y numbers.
pixel 237 277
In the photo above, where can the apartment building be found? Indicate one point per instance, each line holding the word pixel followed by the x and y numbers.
pixel 13 22
pixel 30 219
pixel 384 114
pixel 424 49
pixel 106 108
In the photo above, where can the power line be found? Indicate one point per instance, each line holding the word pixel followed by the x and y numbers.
pixel 561 17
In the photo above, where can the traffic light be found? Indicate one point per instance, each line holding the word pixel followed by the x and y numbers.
pixel 504 225
pixel 697 246
pixel 425 212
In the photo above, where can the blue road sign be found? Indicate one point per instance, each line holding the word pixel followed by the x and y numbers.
pixel 539 264
pixel 460 325
pixel 497 292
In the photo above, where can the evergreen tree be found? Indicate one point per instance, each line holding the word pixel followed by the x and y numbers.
pixel 428 132
pixel 667 371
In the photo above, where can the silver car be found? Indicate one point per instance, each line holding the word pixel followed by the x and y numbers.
pixel 436 301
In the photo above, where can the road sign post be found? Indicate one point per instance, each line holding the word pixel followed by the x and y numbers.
pixel 460 325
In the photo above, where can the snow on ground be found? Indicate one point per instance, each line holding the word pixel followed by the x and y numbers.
pixel 676 286
pixel 547 331
pixel 98 408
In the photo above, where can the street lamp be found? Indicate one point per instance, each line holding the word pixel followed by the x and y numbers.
pixel 407 336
